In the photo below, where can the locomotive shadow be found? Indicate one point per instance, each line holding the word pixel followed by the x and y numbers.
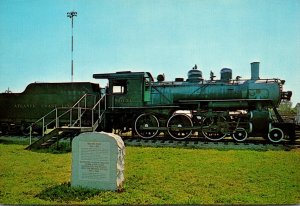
pixel 60 148
pixel 22 140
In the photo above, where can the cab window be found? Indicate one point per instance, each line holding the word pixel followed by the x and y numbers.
pixel 119 87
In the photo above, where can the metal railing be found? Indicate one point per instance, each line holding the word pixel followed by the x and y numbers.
pixel 100 114
pixel 81 107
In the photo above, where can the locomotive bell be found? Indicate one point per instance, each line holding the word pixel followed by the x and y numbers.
pixel 161 77
pixel 194 75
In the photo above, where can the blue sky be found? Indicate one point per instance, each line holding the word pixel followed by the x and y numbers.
pixel 159 36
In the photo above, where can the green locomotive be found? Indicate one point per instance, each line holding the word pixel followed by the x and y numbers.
pixel 134 102
pixel 212 108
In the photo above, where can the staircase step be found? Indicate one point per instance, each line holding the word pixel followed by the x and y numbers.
pixel 57 134
pixel 86 129
pixel 49 131
pixel 51 140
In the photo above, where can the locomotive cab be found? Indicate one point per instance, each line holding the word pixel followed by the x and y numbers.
pixel 127 89
pixel 126 93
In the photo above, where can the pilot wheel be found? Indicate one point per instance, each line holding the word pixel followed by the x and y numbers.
pixel 275 135
pixel 240 135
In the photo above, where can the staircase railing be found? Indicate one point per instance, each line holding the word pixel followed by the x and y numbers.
pixel 97 107
pixel 80 107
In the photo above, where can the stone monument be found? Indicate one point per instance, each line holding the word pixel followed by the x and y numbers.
pixel 98 161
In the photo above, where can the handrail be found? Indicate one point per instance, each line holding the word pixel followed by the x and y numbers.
pixel 69 110
pixel 213 82
pixel 103 97
pixel 94 125
pixel 84 96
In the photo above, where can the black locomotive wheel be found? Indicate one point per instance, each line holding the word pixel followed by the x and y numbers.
pixel 179 126
pixel 240 135
pixel 211 130
pixel 25 129
pixel 275 135
pixel 143 122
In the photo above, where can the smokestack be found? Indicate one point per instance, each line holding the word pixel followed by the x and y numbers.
pixel 255 70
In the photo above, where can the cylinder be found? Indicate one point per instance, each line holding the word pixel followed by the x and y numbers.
pixel 255 70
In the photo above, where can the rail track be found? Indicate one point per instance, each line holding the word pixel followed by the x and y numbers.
pixel 256 144
pixel 226 143
pixel 192 142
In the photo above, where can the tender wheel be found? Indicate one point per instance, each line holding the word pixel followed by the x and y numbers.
pixel 275 135
pixel 179 126
pixel 212 128
pixel 25 130
pixel 240 135
pixel 143 122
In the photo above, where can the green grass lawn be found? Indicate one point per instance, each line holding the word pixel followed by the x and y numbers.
pixel 157 176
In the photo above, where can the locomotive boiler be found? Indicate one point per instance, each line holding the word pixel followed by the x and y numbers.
pixel 211 108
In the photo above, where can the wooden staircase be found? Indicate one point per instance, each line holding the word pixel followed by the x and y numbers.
pixel 74 127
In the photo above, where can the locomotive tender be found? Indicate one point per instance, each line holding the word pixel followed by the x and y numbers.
pixel 134 101
pixel 19 110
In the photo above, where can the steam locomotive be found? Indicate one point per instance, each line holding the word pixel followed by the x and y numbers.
pixel 212 108
pixel 134 102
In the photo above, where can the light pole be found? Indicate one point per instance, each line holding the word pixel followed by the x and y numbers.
pixel 71 15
